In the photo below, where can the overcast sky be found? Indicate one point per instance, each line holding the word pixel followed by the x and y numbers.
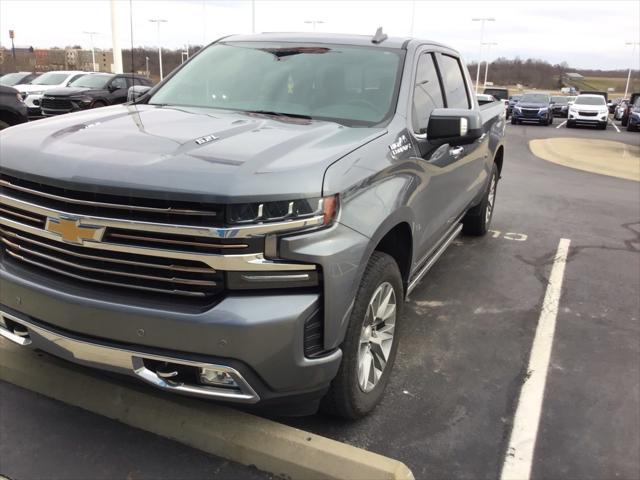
pixel 586 34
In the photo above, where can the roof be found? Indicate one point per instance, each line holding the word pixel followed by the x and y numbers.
pixel 326 38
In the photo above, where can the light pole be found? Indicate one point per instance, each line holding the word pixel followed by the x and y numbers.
pixel 314 23
pixel 482 21
pixel 634 44
pixel 486 62
pixel 147 65
pixel 93 51
pixel 158 21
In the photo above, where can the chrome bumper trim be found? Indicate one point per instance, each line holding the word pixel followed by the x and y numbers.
pixel 123 361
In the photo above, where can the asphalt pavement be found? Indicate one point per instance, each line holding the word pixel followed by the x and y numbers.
pixel 465 343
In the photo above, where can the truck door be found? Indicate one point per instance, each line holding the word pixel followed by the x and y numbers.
pixel 447 173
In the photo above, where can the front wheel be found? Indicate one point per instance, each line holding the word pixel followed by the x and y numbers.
pixel 370 344
pixel 477 220
pixel 514 121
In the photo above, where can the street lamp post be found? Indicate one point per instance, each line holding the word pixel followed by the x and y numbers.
pixel 147 66
pixel 482 21
pixel 486 62
pixel 93 51
pixel 634 44
pixel 158 21
pixel 314 23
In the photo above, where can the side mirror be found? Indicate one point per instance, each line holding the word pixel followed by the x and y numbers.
pixel 136 92
pixel 454 126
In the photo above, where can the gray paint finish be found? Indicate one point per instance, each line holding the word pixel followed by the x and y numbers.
pixel 384 175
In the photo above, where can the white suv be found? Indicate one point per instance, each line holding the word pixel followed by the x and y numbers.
pixel 588 109
pixel 32 92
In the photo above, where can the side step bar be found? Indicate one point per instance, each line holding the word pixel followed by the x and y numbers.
pixel 433 258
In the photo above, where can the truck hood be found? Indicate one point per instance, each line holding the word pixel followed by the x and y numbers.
pixel 180 153
pixel 532 105
pixel 589 108
pixel 69 91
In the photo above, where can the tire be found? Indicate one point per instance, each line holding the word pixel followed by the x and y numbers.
pixel 569 124
pixel 514 121
pixel 630 128
pixel 602 127
pixel 625 121
pixel 477 220
pixel 349 395
pixel 98 104
pixel 4 125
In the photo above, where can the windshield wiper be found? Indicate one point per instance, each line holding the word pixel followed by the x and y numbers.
pixel 279 114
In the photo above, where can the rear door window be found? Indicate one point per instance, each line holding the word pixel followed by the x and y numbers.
pixel 455 87
pixel 427 92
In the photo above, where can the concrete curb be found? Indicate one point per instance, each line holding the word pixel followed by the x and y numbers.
pixel 214 429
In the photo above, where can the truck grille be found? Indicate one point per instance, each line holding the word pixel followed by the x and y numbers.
pixel 150 274
pixel 54 103
pixel 588 114
pixel 527 112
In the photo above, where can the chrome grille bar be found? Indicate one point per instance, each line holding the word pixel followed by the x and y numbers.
pixel 209 232
pixel 179 268
pixel 184 281
pixel 185 293
pixel 51 196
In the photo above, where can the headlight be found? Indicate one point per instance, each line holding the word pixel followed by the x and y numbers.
pixel 544 110
pixel 34 93
pixel 603 111
pixel 283 211
pixel 517 109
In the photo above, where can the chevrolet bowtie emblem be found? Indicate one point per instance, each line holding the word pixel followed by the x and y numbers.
pixel 72 232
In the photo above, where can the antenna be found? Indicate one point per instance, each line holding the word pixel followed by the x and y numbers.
pixel 379 37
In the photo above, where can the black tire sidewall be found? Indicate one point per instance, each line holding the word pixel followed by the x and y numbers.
pixel 351 401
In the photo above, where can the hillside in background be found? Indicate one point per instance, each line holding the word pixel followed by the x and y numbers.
pixel 534 73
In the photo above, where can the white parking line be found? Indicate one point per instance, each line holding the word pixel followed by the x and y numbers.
pixel 519 456
pixel 616 127
pixel 561 124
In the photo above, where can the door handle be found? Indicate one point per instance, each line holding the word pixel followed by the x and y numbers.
pixel 456 151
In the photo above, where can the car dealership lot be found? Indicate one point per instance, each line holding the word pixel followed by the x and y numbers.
pixel 465 345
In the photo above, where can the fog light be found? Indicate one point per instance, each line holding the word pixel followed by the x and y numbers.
pixel 220 378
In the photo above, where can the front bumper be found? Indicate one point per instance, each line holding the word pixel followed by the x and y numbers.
pixel 580 118
pixel 258 339
pixel 540 117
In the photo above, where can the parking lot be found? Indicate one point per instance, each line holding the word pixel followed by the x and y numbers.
pixel 465 344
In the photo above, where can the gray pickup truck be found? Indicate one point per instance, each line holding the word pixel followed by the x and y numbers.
pixel 249 229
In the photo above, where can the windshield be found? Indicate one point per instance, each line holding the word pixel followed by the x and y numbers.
pixel 347 84
pixel 50 78
pixel 596 100
pixel 11 79
pixel 91 81
pixel 560 100
pixel 534 98
pixel 515 98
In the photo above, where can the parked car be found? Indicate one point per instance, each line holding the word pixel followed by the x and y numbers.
pixel 249 229
pixel 620 109
pixel 32 92
pixel 499 93
pixel 612 103
pixel 560 106
pixel 633 122
pixel 12 109
pixel 588 109
pixel 90 91
pixel 484 99
pixel 17 78
pixel 533 107
pixel 513 99
pixel 625 115
pixel 571 99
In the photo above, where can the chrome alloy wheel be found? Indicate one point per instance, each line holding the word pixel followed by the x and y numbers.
pixel 491 199
pixel 376 338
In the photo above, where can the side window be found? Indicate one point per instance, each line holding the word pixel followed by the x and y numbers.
pixel 119 82
pixel 454 87
pixel 427 93
pixel 75 77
